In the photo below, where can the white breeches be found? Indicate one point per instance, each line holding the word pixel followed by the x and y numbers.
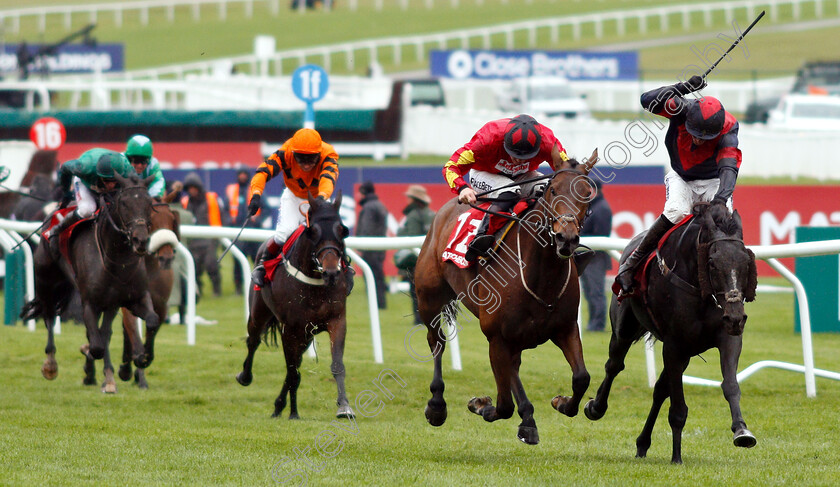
pixel 681 195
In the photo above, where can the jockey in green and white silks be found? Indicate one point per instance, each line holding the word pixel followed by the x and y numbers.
pixel 89 175
pixel 138 151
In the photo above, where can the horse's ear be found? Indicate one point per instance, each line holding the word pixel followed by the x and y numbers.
pixel 148 181
pixel 123 181
pixel 169 198
pixel 337 202
pixel 752 279
pixel 737 219
pixel 310 199
pixel 591 161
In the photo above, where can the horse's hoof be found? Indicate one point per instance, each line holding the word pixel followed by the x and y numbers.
pixel 89 381
pixel 476 404
pixel 143 361
pixel 50 369
pixel 244 379
pixel 345 412
pixel 744 439
pixel 294 416
pixel 125 372
pixel 590 412
pixel 85 349
pixel 140 379
pixel 109 388
pixel 528 435
pixel 435 417
pixel 560 402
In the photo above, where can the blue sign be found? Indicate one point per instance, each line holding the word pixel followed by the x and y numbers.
pixel 70 58
pixel 572 65
pixel 310 83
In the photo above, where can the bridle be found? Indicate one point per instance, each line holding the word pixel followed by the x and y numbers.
pixel 733 295
pixel 121 227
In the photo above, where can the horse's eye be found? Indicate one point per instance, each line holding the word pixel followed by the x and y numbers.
pixel 553 192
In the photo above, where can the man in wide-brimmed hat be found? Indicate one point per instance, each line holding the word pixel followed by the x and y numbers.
pixel 418 219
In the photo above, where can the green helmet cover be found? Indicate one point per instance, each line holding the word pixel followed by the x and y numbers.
pixel 139 145
pixel 105 166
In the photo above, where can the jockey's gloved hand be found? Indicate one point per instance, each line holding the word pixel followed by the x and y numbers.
pixel 254 205
pixel 695 83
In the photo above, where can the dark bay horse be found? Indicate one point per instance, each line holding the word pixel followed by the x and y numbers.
pixel 159 257
pixel 307 295
pixel 527 294
pixel 694 301
pixel 106 264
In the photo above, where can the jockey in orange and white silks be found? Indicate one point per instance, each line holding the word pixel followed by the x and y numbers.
pixel 501 153
pixel 309 167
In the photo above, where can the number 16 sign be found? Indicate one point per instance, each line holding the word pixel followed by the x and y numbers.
pixel 48 133
pixel 310 83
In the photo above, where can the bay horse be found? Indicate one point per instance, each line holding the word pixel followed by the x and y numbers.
pixel 693 301
pixel 527 294
pixel 106 263
pixel 165 226
pixel 307 295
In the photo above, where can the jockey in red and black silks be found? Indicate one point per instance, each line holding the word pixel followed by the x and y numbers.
pixel 501 153
pixel 702 143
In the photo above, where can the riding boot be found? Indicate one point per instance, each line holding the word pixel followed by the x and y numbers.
pixel 628 268
pixel 55 232
pixel 482 242
pixel 271 250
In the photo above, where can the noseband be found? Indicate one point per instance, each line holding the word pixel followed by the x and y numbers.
pixel 733 295
pixel 318 255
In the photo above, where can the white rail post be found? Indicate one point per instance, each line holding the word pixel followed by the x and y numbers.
pixel 189 319
pixel 370 285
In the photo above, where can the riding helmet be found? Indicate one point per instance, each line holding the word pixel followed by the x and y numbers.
pixel 522 139
pixel 306 141
pixel 105 165
pixel 139 145
pixel 705 118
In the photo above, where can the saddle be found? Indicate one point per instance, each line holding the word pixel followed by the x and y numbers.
pixel 640 276
pixel 64 238
pixel 271 265
pixel 464 232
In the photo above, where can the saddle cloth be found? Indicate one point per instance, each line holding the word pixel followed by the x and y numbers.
pixel 271 265
pixel 64 238
pixel 640 276
pixel 466 228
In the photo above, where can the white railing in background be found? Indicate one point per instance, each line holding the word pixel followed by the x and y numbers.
pixel 769 253
pixel 511 35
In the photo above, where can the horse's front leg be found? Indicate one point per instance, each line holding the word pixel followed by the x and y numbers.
pixel 110 385
pixel 337 329
pixel 293 348
pixel 569 342
pixel 501 361
pixel 730 352
pixel 625 330
pixel 528 427
pixel 131 340
pixel 145 354
pixel 258 320
pixel 436 407
pixel 96 342
pixel 50 367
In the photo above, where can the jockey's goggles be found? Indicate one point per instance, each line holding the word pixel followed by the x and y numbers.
pixel 307 159
pixel 138 160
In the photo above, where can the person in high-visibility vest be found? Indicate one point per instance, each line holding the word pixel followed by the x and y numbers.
pixel 238 194
pixel 208 209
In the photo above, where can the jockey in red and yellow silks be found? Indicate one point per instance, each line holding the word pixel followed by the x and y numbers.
pixel 501 153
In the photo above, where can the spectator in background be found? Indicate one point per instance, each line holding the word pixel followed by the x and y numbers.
pixel 373 222
pixel 593 276
pixel 238 196
pixel 417 221
pixel 208 209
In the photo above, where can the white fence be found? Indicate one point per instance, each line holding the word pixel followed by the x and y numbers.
pixel 517 35
pixel 768 253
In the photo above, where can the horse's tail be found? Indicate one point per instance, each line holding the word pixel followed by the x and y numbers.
pixel 269 335
pixel 31 310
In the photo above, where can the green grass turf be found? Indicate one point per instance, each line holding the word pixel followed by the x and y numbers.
pixel 186 40
pixel 197 426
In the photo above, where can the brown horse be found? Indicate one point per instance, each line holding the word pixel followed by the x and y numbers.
pixel 525 295
pixel 106 264
pixel 307 295
pixel 161 253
